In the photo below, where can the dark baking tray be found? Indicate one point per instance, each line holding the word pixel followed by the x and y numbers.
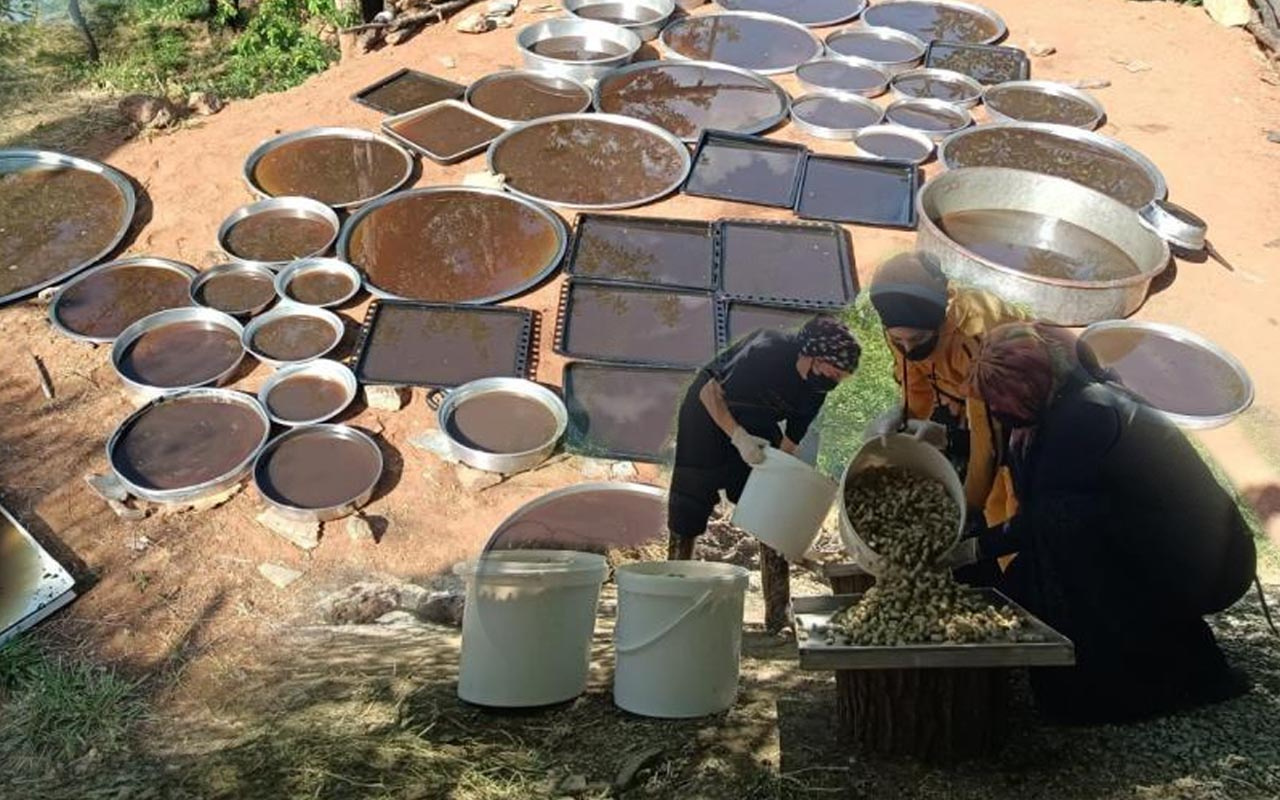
pixel 863 191
pixel 646 268
pixel 837 290
pixel 954 55
pixel 449 89
pixel 754 316
pixel 779 192
pixel 391 326
pixel 679 345
pixel 643 402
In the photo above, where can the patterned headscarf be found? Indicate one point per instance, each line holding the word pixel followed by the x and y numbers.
pixel 828 338
pixel 1022 364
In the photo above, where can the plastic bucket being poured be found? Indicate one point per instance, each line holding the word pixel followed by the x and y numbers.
pixel 527 626
pixel 678 637
pixel 908 452
pixel 784 503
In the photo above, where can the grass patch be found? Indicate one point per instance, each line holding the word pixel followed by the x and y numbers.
pixel 54 708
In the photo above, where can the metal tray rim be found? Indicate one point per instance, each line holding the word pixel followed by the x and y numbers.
pixel 1024 62
pixel 1054 88
pixel 1002 30
pixel 912 187
pixel 326 513
pixel 561 339
pixel 726 304
pixel 159 319
pixel 939 73
pixel 897 130
pixel 285 276
pixel 305 205
pixel 824 132
pixel 147 261
pixel 359 96
pixel 709 134
pixel 572 255
pixel 117 179
pixel 934 105
pixel 324 367
pixel 206 275
pixel 674 55
pixel 451 158
pixel 272 143
pixel 861 6
pixel 882 33
pixel 291 309
pixel 534 74
pixel 844 252
pixel 853 61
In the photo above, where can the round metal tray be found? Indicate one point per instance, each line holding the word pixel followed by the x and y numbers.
pixel 13 161
pixel 291 310
pixel 597 530
pixel 505 463
pixel 872 14
pixel 232 268
pixel 645 30
pixel 147 261
pixel 585 28
pixel 811 84
pixel 823 132
pixel 305 265
pixel 675 55
pixel 320 368
pixel 327 513
pixel 1189 339
pixel 615 119
pixel 963 118
pixel 941 75
pixel 561 234
pixel 323 132
pixel 532 74
pixel 880 34
pixel 764 124
pixel 991 99
pixel 297 206
pixel 780 8
pixel 143 392
pixel 1062 133
pixel 188 494
pixel 896 130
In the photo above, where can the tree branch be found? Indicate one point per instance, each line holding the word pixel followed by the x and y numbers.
pixel 73 11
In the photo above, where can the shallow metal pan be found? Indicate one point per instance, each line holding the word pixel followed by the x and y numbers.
pixel 645 30
pixel 291 310
pixel 1002 29
pixel 232 268
pixel 319 368
pixel 149 261
pixel 674 55
pixel 534 75
pixel 296 206
pixel 963 118
pixel 362 96
pixel 505 463
pixel 313 133
pixel 529 35
pixel 813 87
pixel 947 75
pixel 1044 87
pixel 882 34
pixel 142 392
pixel 306 265
pixel 824 132
pixel 327 513
pixel 442 158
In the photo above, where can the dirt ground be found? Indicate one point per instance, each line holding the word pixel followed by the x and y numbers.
pixel 180 595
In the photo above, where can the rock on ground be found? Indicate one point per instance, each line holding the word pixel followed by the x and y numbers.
pixel 204 103
pixel 387 398
pixel 443 608
pixel 359 529
pixel 280 576
pixel 305 535
pixel 148 111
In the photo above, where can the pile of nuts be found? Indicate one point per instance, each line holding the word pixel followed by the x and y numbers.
pixel 910 521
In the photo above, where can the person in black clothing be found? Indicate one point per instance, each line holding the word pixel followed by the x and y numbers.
pixel 732 412
pixel 1124 538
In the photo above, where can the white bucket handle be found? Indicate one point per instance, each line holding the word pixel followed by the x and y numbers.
pixel 631 648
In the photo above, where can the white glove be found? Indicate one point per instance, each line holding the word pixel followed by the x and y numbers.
pixel 751 448
pixel 965 552
pixel 929 432
pixel 885 424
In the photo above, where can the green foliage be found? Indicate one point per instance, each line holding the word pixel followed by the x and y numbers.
pixel 278 49
pixel 871 391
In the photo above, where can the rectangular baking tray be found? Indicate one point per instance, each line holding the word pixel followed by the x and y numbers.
pixel 642 315
pixel 759 315
pixel 641 402
pixel 838 291
pixel 442 158
pixel 963 58
pixel 812 614
pixel 500 341
pixel 889 186
pixel 636 265
pixel 449 90
pixel 779 193
pixel 33 585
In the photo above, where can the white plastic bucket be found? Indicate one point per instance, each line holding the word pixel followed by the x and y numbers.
pixel 784 503
pixel 678 637
pixel 527 626
pixel 897 450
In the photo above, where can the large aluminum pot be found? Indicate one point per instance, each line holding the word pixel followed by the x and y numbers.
pixel 1060 301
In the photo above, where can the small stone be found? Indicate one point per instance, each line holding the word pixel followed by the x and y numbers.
pixel 207 103
pixel 107 486
pixel 484 180
pixel 1273 137
pixel 127 512
pixel 397 617
pixel 147 111
pixel 448 62
pixel 305 535
pixel 475 480
pixel 443 608
pixel 279 576
pixel 359 529
pixel 1133 65
pixel 1229 13
pixel 1041 50
pixel 1090 83
pixel 502 22
pixel 436 443
pixel 1274 243
pixel 500 8
pixel 387 398
pixel 139 545
pixel 360 603
pixel 622 471
pixel 474 23
pixel 574 784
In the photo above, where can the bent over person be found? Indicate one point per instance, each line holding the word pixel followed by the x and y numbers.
pixel 735 408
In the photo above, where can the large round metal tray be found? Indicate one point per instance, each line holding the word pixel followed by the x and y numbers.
pixel 991 99
pixel 530 74
pixel 1079 148
pixel 659 111
pixel 802 114
pixel 1180 373
pixel 876 17
pixel 143 261
pixel 552 219
pixel 807 75
pixel 800 12
pixel 864 32
pixel 323 132
pixel 748 18
pixel 594 532
pixel 13 161
pixel 327 513
pixel 1061 301
pixel 187 494
pixel 143 391
pixel 677 146
pixel 505 463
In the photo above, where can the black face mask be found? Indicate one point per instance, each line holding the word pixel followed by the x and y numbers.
pixel 820 383
pixel 920 351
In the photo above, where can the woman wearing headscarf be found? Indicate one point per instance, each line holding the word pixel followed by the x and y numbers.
pixel 735 408
pixel 1125 538
pixel 935 331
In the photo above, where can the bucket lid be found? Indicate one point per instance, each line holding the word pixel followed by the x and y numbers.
pixel 532 564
